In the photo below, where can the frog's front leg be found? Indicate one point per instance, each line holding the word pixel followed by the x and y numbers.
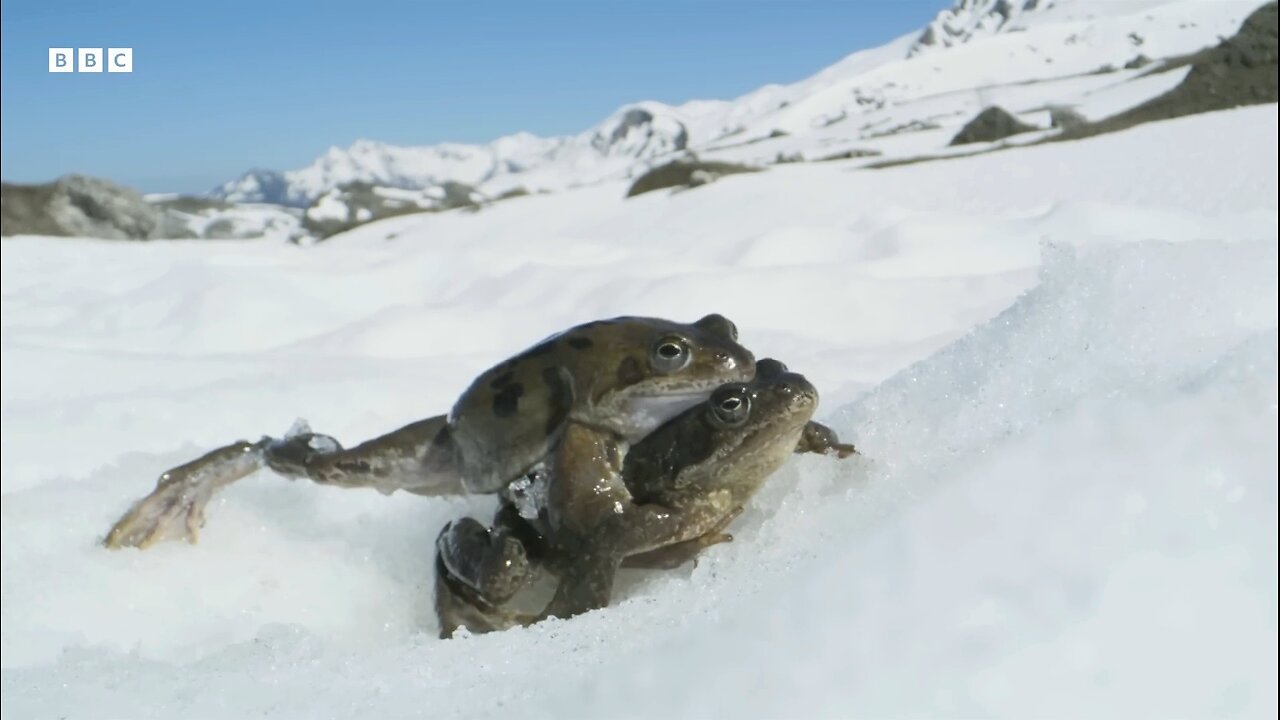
pixel 418 458
pixel 820 439
pixel 674 555
pixel 587 581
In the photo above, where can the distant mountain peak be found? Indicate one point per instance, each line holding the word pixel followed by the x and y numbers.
pixel 968 19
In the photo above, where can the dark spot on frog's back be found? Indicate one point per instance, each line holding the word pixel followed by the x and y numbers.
pixel 630 371
pixel 580 343
pixel 561 396
pixel 502 380
pixel 506 402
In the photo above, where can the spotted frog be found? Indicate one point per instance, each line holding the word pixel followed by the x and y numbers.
pixel 604 384
pixel 685 483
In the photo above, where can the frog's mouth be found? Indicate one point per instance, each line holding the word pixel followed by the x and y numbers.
pixel 643 414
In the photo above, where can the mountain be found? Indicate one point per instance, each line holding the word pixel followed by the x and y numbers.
pixel 973 18
pixel 905 99
pixel 636 132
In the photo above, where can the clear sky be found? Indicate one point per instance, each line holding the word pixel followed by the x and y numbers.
pixel 220 87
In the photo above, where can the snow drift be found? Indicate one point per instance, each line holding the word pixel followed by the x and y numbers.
pixel 1063 379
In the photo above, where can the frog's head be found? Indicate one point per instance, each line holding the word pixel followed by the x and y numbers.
pixel 738 436
pixel 649 370
pixel 776 403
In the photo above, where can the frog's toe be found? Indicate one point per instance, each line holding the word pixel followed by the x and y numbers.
pixel 152 519
pixel 494 564
pixel 458 605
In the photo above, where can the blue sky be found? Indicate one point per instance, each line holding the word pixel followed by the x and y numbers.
pixel 220 87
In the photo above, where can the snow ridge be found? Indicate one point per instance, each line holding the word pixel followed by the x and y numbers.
pixel 973 18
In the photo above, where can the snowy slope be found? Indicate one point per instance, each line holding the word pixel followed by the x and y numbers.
pixel 1024 54
pixel 1065 390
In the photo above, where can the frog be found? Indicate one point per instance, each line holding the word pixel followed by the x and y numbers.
pixel 602 383
pixel 705 464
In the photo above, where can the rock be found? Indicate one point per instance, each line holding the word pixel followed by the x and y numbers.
pixel 77 205
pixel 1240 70
pixel 851 155
pixel 358 203
pixel 1138 61
pixel 990 125
pixel 685 173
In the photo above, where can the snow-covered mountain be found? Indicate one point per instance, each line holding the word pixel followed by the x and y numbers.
pixel 636 132
pixel 906 97
pixel 973 18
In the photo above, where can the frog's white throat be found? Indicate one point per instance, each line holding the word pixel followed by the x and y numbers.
pixel 642 415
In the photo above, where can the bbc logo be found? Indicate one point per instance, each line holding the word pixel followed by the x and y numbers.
pixel 90 60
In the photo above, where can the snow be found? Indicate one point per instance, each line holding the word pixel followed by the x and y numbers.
pixel 270 223
pixel 328 207
pixel 1064 52
pixel 1058 361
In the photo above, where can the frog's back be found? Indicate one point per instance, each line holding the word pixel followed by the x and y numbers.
pixel 513 414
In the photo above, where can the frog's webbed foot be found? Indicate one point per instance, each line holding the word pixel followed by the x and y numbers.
pixel 458 605
pixel 677 554
pixel 176 506
pixel 820 439
pixel 492 563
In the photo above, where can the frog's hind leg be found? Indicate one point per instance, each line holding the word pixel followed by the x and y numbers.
pixel 419 458
pixel 177 504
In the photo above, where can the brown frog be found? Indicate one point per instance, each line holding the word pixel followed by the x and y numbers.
pixel 690 477
pixel 559 404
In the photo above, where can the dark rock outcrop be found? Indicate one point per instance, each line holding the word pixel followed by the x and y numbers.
pixel 357 203
pixel 1240 70
pixel 990 125
pixel 76 205
pixel 685 173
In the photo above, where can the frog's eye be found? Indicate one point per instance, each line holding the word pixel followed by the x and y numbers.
pixel 731 408
pixel 671 354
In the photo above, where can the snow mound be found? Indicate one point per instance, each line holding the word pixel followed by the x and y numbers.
pixel 1070 511
pixel 1062 376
